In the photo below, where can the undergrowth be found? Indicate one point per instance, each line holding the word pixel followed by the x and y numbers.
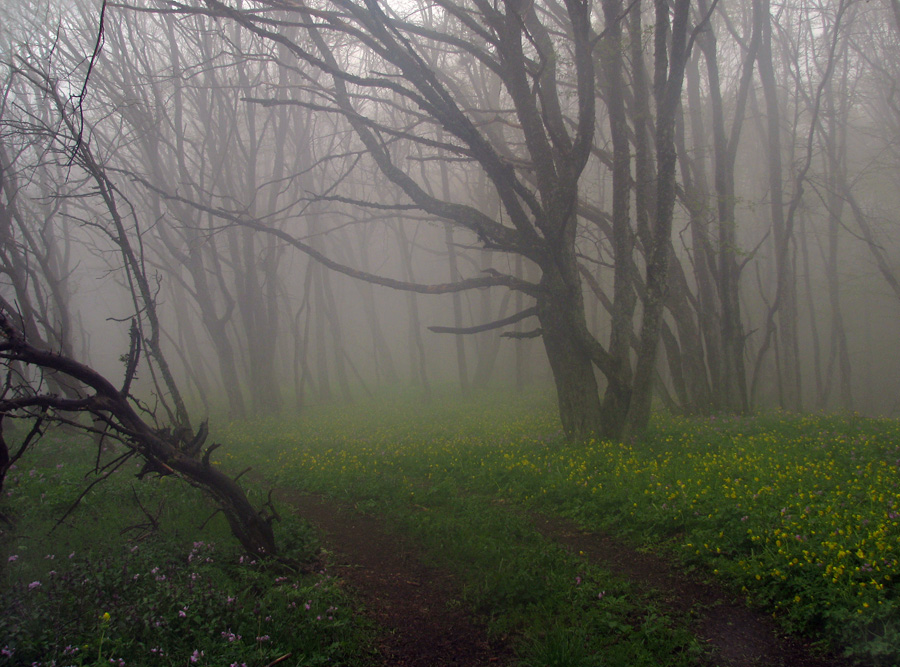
pixel 137 576
pixel 802 513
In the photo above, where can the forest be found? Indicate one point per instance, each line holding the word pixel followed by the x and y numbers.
pixel 629 265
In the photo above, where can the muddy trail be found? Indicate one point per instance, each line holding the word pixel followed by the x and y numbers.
pixel 423 624
pixel 416 607
pixel 737 635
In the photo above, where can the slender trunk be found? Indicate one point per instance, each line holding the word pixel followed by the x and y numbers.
pixel 821 398
pixel 337 338
pixel 521 357
pixel 623 238
pixel 669 77
pixel 301 373
pixel 462 366
pixel 697 195
pixel 725 150
pixel 839 348
pixel 785 289
pixel 789 379
pixel 322 340
pixel 689 362
pixel 461 363
pixel 895 11
pixel 485 343
pixel 418 358
pixel 490 346
pixel 835 129
pixel 385 370
pixel 189 349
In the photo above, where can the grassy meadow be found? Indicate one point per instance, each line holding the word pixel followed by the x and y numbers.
pixel 801 514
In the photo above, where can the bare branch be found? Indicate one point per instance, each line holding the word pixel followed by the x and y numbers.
pixel 506 321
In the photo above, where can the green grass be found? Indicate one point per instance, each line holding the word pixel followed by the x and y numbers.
pixel 802 514
pixel 104 588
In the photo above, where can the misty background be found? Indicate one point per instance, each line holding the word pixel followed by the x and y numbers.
pixel 233 174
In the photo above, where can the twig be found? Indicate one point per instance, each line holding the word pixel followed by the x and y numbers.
pixel 84 492
pixel 210 518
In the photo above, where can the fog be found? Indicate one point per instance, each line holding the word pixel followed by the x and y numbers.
pixel 697 214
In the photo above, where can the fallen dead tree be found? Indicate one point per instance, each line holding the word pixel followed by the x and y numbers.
pixel 116 414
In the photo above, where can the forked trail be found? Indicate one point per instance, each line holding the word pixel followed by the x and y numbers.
pixel 423 623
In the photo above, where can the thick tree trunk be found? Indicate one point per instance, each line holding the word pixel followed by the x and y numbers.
pixel 623 237
pixel 573 370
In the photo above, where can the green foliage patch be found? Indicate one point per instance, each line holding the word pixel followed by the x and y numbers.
pixel 802 513
pixel 107 587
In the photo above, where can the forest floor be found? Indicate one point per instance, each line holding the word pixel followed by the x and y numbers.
pixel 422 621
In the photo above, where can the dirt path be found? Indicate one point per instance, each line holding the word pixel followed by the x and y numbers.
pixel 414 604
pixel 737 635
pixel 425 626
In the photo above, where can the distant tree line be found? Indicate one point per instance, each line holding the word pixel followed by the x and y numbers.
pixel 684 202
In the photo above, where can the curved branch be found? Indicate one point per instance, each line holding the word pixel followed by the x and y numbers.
pixel 506 321
pixel 160 449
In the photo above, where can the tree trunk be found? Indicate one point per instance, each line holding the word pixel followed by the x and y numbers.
pixel 418 358
pixel 835 121
pixel 573 370
pixel 669 77
pixel 320 317
pixel 789 380
pixel 696 198
pixel 821 394
pixel 623 237
pixel 725 149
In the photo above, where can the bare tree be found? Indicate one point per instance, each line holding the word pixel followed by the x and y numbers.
pixel 535 175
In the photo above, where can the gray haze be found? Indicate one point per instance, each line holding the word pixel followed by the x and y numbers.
pixel 209 152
